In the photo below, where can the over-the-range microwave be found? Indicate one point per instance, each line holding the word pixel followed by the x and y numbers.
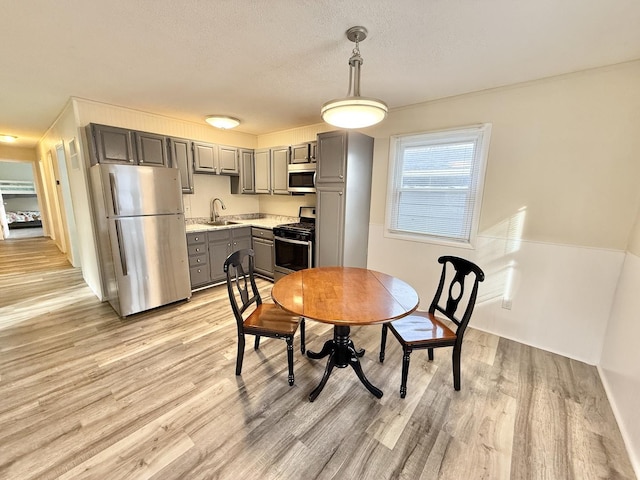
pixel 301 178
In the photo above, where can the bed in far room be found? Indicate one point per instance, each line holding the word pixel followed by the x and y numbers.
pixel 20 204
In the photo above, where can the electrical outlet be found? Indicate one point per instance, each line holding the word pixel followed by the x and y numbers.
pixel 506 303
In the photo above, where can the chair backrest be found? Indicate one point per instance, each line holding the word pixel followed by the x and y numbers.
pixel 241 283
pixel 454 300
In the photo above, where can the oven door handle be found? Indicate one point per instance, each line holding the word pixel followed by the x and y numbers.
pixel 291 240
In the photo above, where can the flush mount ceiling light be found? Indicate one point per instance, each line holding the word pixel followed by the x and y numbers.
pixel 354 111
pixel 7 138
pixel 222 121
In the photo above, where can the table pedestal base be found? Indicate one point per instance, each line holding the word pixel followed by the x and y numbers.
pixel 342 353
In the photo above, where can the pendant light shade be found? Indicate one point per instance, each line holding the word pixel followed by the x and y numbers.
pixel 354 111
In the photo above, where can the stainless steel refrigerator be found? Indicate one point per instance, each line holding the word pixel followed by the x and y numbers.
pixel 142 239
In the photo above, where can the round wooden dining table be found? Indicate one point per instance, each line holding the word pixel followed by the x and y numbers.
pixel 344 297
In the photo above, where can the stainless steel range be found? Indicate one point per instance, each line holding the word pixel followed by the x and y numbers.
pixel 294 244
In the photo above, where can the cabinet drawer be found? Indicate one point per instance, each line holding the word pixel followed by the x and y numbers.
pixel 197 249
pixel 199 275
pixel 194 238
pixel 219 235
pixel 199 260
pixel 262 233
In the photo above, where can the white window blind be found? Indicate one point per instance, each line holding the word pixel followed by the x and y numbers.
pixel 437 183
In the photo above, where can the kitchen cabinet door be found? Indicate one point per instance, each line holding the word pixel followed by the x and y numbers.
pixel 262 163
pixel 262 240
pixel 332 157
pixel 228 160
pixel 240 239
pixel 279 166
pixel 303 153
pixel 112 145
pixel 247 171
pixel 205 157
pixel 181 157
pixel 330 225
pixel 151 149
pixel 219 250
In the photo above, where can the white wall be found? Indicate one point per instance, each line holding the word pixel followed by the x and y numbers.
pixel 620 362
pixel 559 203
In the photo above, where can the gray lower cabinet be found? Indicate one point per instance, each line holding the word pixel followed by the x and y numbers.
pixel 198 259
pixel 223 243
pixel 330 234
pixel 262 239
pixel 208 251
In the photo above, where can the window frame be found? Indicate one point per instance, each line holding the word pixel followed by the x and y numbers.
pixel 482 135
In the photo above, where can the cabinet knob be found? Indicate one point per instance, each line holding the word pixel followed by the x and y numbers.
pixel 199 271
pixel 197 249
pixel 197 238
pixel 339 193
pixel 341 176
pixel 199 260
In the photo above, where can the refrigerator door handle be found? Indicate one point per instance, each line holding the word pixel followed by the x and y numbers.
pixel 123 256
pixel 114 196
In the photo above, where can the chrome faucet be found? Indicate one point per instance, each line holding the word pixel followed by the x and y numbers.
pixel 214 213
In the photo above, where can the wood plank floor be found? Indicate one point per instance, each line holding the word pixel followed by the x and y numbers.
pixel 85 394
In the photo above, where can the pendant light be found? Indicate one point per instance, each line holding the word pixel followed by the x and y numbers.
pixel 354 111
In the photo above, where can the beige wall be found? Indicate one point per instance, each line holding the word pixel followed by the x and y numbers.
pixel 8 152
pixel 564 148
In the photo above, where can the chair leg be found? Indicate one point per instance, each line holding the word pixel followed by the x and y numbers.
pixel 256 345
pixel 405 371
pixel 302 338
pixel 430 352
pixel 240 354
pixel 290 358
pixel 456 367
pixel 383 341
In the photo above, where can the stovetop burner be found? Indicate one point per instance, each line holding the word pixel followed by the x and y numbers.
pixel 303 230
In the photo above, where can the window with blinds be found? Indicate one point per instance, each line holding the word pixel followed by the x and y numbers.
pixel 436 184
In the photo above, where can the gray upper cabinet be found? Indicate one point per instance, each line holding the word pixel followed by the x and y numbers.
pixel 303 153
pixel 271 170
pixel 151 149
pixel 332 155
pixel 247 171
pixel 111 144
pixel 181 157
pixel 262 170
pixel 205 157
pixel 343 199
pixel 279 165
pixel 228 160
pixel 215 159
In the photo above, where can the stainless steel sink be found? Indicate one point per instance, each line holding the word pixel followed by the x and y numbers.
pixel 220 223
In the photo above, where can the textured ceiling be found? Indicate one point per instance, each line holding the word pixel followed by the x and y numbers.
pixel 273 63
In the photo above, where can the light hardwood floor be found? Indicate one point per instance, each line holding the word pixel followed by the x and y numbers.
pixel 85 394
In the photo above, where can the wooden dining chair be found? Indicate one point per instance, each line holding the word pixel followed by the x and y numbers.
pixel 422 330
pixel 266 319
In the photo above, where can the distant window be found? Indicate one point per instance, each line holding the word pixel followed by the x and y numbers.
pixel 435 185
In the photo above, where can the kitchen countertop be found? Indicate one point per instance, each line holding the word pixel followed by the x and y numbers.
pixel 266 222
